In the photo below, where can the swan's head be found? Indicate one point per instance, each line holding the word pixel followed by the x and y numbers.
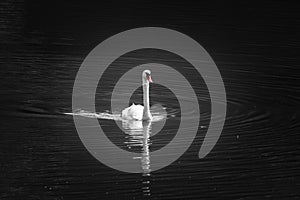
pixel 146 76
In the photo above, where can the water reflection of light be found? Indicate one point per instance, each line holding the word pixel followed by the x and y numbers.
pixel 138 135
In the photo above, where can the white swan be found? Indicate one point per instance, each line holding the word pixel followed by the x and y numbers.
pixel 139 112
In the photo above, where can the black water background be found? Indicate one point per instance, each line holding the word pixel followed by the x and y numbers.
pixel 254 45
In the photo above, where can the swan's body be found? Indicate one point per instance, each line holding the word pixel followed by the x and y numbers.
pixel 139 112
pixel 134 112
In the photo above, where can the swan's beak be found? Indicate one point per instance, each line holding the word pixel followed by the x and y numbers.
pixel 149 78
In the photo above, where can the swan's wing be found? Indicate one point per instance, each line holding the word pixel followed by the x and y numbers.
pixel 134 112
pixel 125 113
pixel 137 112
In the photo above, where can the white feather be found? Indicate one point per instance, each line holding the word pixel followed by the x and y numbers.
pixel 134 112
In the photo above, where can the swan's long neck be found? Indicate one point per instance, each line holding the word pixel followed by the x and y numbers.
pixel 146 113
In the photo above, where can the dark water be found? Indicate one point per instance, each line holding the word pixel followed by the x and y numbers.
pixel 255 47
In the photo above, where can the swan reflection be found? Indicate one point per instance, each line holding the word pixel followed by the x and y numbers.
pixel 138 136
pixel 138 133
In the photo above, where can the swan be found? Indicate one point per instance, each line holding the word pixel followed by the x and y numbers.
pixel 139 112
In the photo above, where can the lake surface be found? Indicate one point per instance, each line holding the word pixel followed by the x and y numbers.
pixel 255 48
